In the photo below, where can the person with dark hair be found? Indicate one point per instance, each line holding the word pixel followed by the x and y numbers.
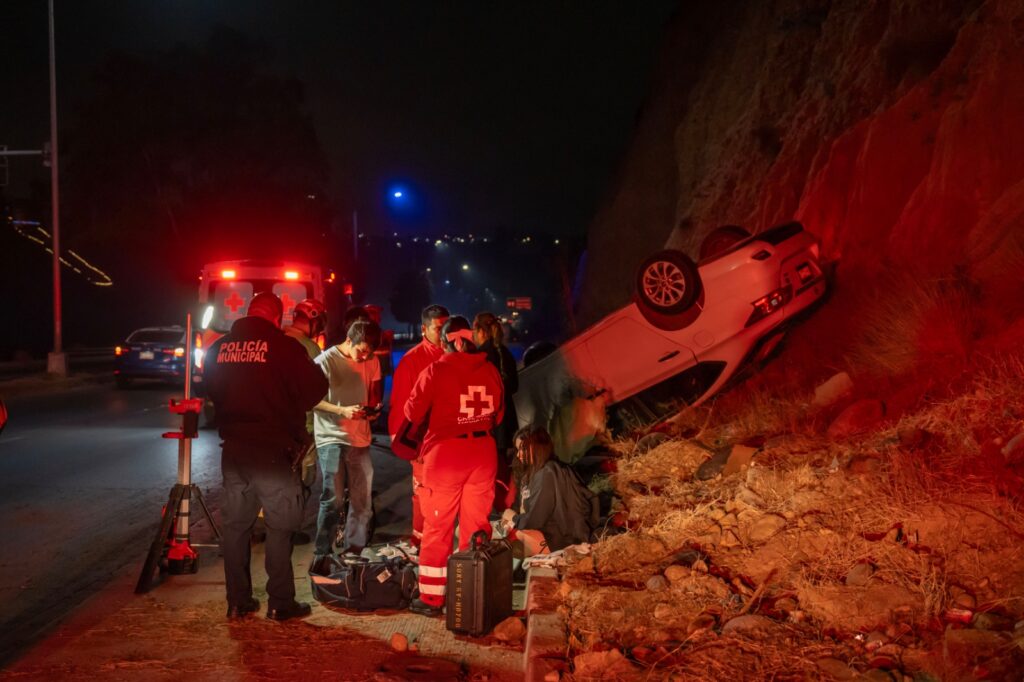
pixel 262 383
pixel 342 430
pixel 309 320
pixel 489 337
pixel 355 312
pixel 415 360
pixel 459 401
pixel 555 508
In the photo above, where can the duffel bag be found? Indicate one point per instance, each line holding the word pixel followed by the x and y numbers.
pixel 364 585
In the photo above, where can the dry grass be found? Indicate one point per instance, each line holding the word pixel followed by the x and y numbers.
pixel 931 517
pixel 914 324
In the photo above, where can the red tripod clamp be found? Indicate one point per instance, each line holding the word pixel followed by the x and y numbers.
pixel 189 410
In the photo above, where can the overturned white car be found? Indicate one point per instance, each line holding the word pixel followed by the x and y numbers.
pixel 690 329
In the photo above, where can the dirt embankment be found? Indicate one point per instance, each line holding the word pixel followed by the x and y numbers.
pixel 816 536
pixel 889 127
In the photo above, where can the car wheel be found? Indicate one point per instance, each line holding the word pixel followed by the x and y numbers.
pixel 667 283
pixel 721 239
pixel 123 382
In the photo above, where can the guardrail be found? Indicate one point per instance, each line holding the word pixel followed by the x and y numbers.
pixel 78 359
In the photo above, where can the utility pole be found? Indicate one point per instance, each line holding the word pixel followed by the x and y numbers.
pixel 56 361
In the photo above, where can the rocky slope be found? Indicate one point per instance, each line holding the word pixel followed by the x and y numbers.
pixel 891 128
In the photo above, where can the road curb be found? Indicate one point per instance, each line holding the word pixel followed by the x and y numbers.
pixel 544 655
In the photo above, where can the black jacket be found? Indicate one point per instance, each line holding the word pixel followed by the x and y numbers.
pixel 503 360
pixel 262 383
pixel 556 502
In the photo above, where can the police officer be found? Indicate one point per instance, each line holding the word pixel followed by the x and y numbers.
pixel 262 383
pixel 460 398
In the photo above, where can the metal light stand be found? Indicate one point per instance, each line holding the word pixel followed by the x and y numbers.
pixel 171 549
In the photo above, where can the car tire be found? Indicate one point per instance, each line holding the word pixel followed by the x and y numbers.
pixel 721 239
pixel 667 283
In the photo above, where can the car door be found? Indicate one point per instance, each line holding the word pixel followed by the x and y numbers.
pixel 628 355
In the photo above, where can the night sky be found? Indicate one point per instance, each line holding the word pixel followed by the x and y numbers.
pixel 492 113
pixel 492 117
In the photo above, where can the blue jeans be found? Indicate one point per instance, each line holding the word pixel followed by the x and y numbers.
pixel 344 468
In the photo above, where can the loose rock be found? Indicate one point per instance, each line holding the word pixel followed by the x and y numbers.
pixel 510 630
pixel 399 642
pixel 859 575
pixel 765 527
pixel 675 573
pixel 597 665
pixel 835 668
pixel 857 418
pixel 749 624
pixel 657 583
pixel 832 391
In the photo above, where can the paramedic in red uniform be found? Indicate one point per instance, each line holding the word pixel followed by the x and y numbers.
pixel 416 359
pixel 262 383
pixel 459 398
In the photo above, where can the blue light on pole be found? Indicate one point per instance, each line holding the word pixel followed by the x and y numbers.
pixel 398 194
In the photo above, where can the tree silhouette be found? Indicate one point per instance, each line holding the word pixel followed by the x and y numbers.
pixel 411 294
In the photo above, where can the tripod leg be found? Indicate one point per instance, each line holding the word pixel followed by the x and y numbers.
pixel 156 550
pixel 197 495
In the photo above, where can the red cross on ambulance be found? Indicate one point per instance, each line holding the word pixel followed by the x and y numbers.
pixel 477 402
pixel 234 301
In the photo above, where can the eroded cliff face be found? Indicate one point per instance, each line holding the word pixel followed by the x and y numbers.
pixel 894 129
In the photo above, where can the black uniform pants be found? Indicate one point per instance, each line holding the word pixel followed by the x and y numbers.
pixel 252 481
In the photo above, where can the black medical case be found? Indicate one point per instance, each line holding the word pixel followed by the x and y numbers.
pixel 479 593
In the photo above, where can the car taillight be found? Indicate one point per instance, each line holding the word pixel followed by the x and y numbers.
pixel 119 351
pixel 766 305
pixel 291 275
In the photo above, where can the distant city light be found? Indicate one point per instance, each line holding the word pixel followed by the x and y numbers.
pixel 438 243
pixel 447 282
pixel 557 242
pixel 429 270
pixel 465 266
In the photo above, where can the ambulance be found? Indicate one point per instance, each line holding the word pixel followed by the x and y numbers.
pixel 227 287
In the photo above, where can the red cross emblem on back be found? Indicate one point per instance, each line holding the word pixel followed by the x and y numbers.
pixel 234 301
pixel 477 402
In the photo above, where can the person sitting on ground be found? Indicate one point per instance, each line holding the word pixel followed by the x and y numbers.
pixel 555 508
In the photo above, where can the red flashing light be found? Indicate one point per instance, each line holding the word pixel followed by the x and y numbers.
pixel 227 274
pixel 291 275
pixel 348 290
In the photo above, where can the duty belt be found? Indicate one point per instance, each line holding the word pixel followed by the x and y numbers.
pixel 475 434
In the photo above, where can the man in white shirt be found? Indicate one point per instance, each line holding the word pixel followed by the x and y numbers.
pixel 341 427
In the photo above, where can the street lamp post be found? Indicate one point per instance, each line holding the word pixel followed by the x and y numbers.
pixel 56 361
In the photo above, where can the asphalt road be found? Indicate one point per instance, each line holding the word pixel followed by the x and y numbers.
pixel 83 477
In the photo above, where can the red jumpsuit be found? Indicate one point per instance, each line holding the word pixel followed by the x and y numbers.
pixel 417 359
pixel 461 399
